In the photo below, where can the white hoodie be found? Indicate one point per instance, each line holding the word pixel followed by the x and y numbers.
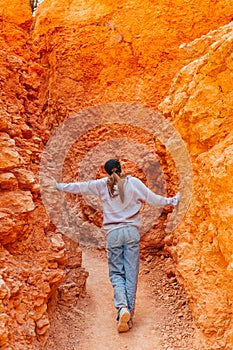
pixel 116 213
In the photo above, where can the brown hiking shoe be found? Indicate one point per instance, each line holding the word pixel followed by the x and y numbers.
pixel 124 317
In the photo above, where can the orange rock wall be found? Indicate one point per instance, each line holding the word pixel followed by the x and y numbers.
pixel 200 105
pixel 118 51
pixel 32 256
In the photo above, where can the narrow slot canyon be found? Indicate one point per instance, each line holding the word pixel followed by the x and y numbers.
pixel 149 83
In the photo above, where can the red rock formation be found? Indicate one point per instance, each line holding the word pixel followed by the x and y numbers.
pixel 200 104
pixel 118 51
pixel 32 255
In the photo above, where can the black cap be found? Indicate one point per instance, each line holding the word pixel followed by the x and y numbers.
pixel 111 164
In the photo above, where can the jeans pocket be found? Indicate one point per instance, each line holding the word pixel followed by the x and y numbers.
pixel 113 239
pixel 133 235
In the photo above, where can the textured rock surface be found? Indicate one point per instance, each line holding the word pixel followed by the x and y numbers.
pixel 16 12
pixel 200 104
pixel 32 260
pixel 103 51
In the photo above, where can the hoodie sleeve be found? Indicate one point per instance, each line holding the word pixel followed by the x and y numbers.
pixel 92 187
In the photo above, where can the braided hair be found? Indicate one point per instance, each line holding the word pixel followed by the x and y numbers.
pixel 116 177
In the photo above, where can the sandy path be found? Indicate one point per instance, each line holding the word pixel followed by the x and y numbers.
pixel 162 319
pixel 101 330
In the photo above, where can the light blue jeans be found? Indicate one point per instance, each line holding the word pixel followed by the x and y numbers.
pixel 123 261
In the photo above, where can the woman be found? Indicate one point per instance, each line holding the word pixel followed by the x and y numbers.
pixel 122 197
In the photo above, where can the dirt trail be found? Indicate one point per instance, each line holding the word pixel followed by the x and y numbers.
pixel 162 318
pixel 101 332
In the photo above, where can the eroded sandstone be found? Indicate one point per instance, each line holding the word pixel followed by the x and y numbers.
pixel 200 104
pixel 32 254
